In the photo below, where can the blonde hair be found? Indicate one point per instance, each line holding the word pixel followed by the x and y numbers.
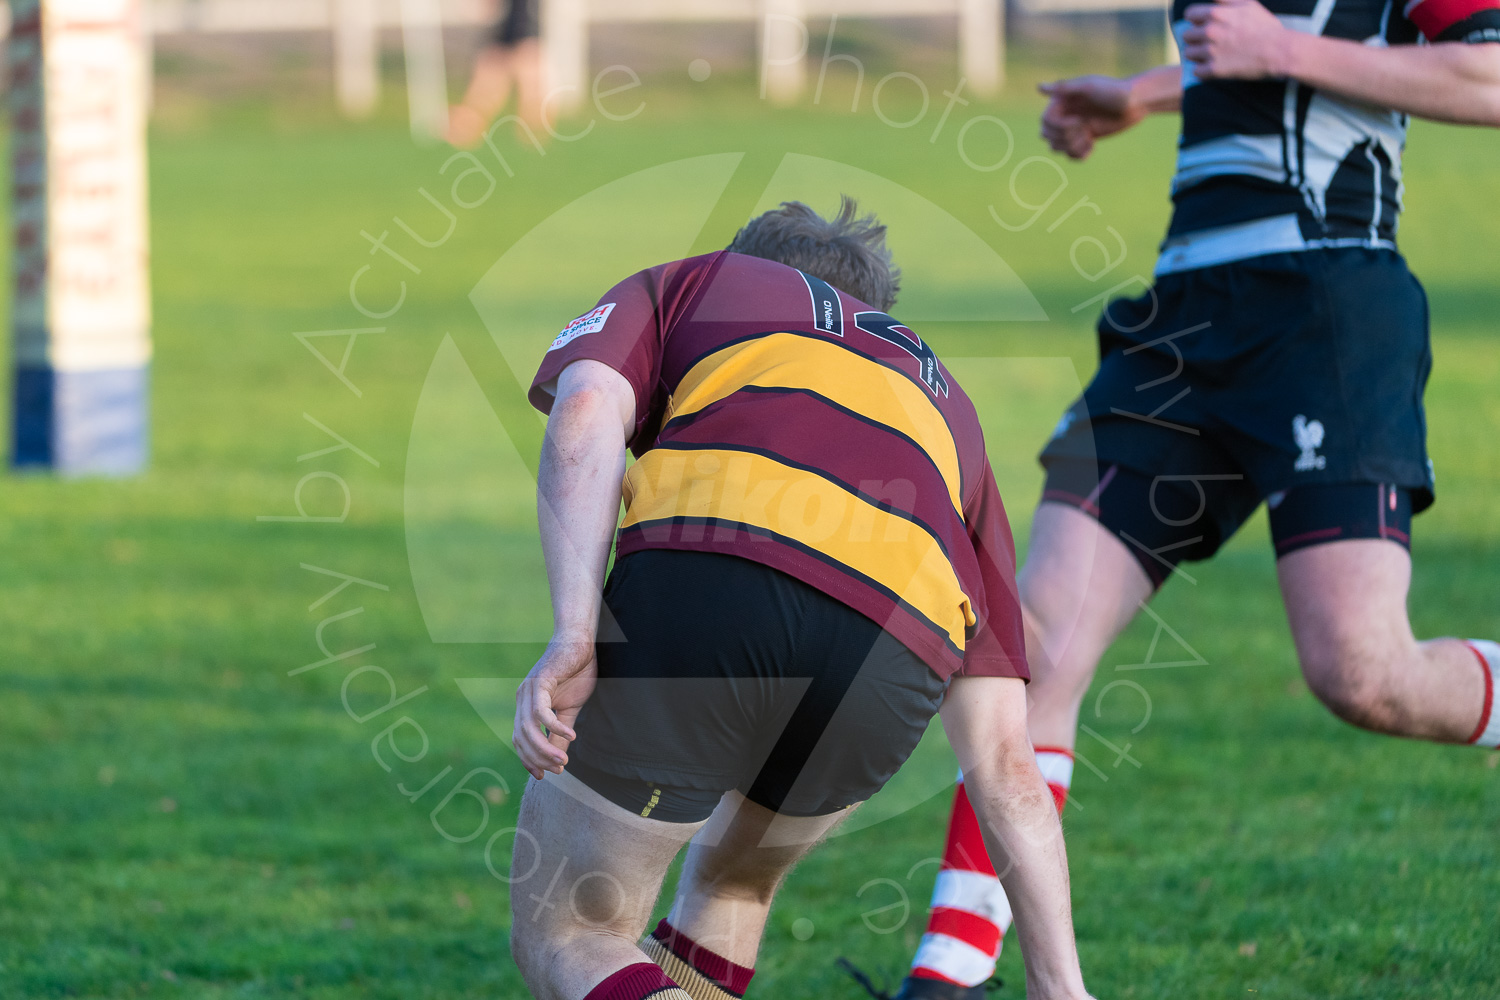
pixel 847 251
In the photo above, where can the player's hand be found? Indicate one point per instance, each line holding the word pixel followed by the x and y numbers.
pixel 548 702
pixel 1086 108
pixel 1235 40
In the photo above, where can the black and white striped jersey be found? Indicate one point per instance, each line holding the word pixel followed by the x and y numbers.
pixel 1266 166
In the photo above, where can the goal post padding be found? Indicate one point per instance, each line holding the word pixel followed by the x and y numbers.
pixel 81 306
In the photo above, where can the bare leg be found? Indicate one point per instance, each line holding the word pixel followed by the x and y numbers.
pixel 1080 587
pixel 577 915
pixel 733 870
pixel 526 60
pixel 1346 602
pixel 489 89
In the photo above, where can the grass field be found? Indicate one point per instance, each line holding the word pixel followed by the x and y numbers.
pixel 182 818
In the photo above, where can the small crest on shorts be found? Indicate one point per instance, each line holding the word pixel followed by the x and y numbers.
pixel 1063 424
pixel 1309 437
pixel 590 322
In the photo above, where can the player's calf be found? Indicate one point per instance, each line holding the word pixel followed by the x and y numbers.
pixel 708 943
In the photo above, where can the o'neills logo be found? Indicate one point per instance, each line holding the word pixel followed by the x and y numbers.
pixel 590 322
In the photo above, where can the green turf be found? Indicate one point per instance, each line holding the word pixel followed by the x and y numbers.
pixel 182 818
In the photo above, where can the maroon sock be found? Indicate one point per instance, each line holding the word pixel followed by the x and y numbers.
pixel 703 974
pixel 637 982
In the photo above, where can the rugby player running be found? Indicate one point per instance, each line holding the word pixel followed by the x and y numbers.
pixel 1280 357
pixel 813 557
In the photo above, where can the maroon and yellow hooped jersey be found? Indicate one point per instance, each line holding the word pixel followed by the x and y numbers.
pixel 783 421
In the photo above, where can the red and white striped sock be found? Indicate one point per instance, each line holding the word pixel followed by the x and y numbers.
pixel 970 913
pixel 1487 733
pixel 1056 765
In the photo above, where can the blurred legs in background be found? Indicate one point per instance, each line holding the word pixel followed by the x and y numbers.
pixel 510 63
pixel 499 71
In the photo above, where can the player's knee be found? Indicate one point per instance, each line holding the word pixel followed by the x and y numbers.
pixel 1066 662
pixel 1351 679
pixel 580 919
pixel 599 903
pixel 1050 604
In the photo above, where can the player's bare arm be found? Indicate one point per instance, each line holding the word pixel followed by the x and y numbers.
pixel 578 503
pixel 985 719
pixel 1448 81
pixel 1084 109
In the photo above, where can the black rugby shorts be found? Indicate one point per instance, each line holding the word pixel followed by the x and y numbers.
pixel 522 21
pixel 1296 375
pixel 728 674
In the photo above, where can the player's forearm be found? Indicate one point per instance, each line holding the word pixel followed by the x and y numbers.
pixel 1448 82
pixel 1157 90
pixel 1025 841
pixel 985 718
pixel 578 503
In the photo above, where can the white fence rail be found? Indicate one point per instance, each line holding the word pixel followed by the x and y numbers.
pixel 172 17
pixel 782 37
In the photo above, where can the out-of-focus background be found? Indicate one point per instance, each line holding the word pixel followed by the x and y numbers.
pixel 333 532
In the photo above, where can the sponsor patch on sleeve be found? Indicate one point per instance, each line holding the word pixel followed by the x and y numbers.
pixel 590 322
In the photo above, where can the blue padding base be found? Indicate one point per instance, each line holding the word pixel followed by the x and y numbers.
pixel 82 423
pixel 31 445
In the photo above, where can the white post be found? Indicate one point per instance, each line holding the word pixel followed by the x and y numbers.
pixel 783 50
pixel 1173 55
pixel 565 54
pixel 426 74
pixel 81 308
pixel 356 57
pixel 147 28
pixel 981 45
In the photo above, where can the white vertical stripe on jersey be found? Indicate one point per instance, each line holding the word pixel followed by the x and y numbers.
pixel 1312 24
pixel 1332 130
pixel 1290 150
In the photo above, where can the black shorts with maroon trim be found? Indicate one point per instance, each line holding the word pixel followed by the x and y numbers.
pixel 1285 370
pixel 718 673
pixel 1296 376
pixel 522 21
pixel 1167 520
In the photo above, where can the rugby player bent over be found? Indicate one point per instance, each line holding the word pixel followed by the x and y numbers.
pixel 813 558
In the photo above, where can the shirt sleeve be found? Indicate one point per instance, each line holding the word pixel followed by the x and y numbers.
pixel 627 330
pixel 997 647
pixel 1472 21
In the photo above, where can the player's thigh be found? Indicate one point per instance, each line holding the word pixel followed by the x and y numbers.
pixel 1346 605
pixel 1345 572
pixel 1080 586
pixel 585 865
